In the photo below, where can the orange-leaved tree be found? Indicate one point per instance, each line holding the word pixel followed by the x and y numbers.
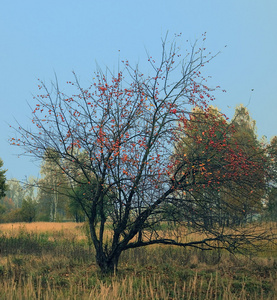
pixel 222 166
pixel 118 136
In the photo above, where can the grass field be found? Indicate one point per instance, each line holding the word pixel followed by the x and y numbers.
pixel 56 261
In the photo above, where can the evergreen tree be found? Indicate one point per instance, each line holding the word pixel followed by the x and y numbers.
pixel 3 185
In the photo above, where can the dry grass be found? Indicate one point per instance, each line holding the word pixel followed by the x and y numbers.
pixel 128 288
pixel 134 286
pixel 49 261
pixel 69 229
pixel 72 229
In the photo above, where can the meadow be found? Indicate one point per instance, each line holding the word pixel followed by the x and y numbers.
pixel 56 261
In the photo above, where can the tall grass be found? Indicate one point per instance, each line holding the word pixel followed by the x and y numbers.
pixel 55 261
pixel 133 287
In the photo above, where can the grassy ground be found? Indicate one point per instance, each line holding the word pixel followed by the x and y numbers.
pixel 55 261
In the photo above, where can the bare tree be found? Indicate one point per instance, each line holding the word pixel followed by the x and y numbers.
pixel 117 138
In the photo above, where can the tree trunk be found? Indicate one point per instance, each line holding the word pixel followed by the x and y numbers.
pixel 55 206
pixel 107 259
pixel 51 218
pixel 107 264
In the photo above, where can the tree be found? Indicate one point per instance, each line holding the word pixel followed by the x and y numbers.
pixel 272 160
pixel 81 196
pixel 2 211
pixel 74 210
pixel 272 204
pixel 15 192
pixel 272 179
pixel 198 153
pixel 13 207
pixel 120 133
pixel 250 197
pixel 53 188
pixel 3 186
pixel 210 146
pixel 28 210
pixel 30 188
pixel 7 207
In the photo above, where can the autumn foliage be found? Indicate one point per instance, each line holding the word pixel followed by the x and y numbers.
pixel 222 178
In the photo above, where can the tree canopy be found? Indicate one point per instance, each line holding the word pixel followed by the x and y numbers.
pixel 223 169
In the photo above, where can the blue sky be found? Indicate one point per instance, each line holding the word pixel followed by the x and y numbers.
pixel 41 38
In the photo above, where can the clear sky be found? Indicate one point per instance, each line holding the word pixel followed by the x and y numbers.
pixel 41 38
